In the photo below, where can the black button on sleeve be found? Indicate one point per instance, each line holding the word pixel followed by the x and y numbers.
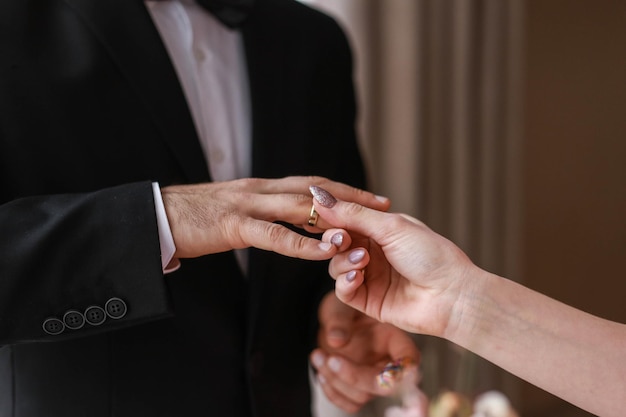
pixel 95 315
pixel 116 308
pixel 53 326
pixel 73 320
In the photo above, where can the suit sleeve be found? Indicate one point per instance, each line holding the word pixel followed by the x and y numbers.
pixel 77 264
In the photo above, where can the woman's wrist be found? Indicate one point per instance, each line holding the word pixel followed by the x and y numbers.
pixel 467 310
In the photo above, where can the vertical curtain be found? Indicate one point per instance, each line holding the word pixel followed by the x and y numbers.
pixel 440 123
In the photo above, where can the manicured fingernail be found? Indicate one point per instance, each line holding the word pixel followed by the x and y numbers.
pixel 350 276
pixel 334 364
pixel 318 360
pixel 337 239
pixel 321 378
pixel 322 196
pixel 382 199
pixel 325 246
pixel 356 256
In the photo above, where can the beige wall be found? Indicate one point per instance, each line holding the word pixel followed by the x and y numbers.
pixel 575 162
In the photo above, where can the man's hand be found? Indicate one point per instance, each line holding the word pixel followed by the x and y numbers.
pixel 220 216
pixel 353 350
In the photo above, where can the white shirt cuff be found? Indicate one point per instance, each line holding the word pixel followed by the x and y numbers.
pixel 166 240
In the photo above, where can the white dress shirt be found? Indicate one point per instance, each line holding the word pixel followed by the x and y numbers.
pixel 210 62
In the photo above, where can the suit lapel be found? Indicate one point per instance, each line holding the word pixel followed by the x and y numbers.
pixel 127 32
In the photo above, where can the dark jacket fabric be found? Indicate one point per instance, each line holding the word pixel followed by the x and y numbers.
pixel 91 112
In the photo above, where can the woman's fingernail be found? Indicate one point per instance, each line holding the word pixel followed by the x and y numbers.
pixel 334 364
pixel 318 360
pixel 337 239
pixel 356 256
pixel 382 199
pixel 321 378
pixel 350 276
pixel 325 246
pixel 322 196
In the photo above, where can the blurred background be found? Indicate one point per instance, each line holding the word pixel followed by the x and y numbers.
pixel 502 125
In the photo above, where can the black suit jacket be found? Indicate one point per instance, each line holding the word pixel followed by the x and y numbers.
pixel 91 112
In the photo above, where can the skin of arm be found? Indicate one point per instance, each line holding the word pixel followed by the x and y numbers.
pixel 572 354
pixel 421 282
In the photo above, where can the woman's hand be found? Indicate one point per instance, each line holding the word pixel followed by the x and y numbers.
pixel 397 270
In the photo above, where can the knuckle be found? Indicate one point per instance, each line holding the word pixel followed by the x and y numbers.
pixel 353 209
pixel 299 244
pixel 317 180
pixel 275 232
pixel 282 236
pixel 396 221
pixel 248 183
pixel 301 199
pixel 232 226
pixel 359 192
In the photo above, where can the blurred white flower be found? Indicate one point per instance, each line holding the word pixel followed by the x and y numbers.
pixel 493 404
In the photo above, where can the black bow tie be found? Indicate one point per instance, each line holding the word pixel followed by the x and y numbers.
pixel 230 12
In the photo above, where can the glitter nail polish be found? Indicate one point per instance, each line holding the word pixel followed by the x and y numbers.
pixel 337 239
pixel 322 196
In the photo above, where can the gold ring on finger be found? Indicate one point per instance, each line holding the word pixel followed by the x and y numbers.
pixel 313 216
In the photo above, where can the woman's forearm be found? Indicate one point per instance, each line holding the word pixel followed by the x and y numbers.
pixel 569 353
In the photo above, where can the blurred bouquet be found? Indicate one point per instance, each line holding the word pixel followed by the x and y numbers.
pixel 404 376
pixel 488 404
